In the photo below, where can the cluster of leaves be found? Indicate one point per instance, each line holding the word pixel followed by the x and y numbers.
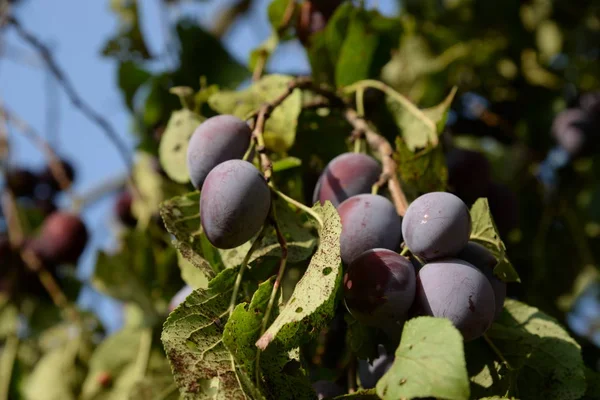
pixel 261 349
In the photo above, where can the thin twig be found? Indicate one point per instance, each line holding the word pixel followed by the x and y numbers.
pixel 56 166
pixel 299 205
pixel 240 275
pixel 32 262
pixel 67 85
pixel 379 144
pixel 497 351
pixel 276 284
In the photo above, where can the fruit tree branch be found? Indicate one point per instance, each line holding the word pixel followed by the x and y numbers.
pixel 17 239
pixel 56 167
pixel 379 144
pixel 67 85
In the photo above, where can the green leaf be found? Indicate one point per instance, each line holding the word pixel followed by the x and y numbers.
pixel 174 144
pixel 263 52
pixel 361 339
pixel 429 362
pixel 417 129
pixel 130 41
pixel 130 77
pixel 192 337
pixel 139 272
pixel 438 114
pixel 593 384
pixel 243 328
pixel 423 171
pixel 114 361
pixel 191 274
pixel 56 375
pixel 151 188
pixel 544 361
pixel 280 129
pixel 286 163
pixel 484 232
pixel 9 319
pixel 276 13
pixel 357 51
pixel 313 302
pixel 361 394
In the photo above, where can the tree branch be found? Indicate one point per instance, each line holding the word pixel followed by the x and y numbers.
pixel 75 98
pixel 379 144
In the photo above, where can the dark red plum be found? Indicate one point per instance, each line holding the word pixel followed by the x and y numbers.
pixel 572 128
pixel 436 225
pixel 62 239
pixel 379 288
pixel 469 174
pixel 368 221
pixel 123 208
pixel 21 181
pixel 346 175
pixel 218 139
pixel 234 203
pixel 458 291
pixel 480 257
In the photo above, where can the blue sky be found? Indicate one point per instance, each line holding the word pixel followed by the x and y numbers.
pixel 76 31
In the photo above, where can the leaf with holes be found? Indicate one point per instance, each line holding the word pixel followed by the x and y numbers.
pixel 192 337
pixel 314 299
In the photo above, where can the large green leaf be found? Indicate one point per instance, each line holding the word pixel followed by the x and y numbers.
pixel 542 360
pixel 430 361
pixel 130 78
pixel 422 171
pixel 243 330
pixel 174 144
pixel 57 375
pixel 192 337
pixel 280 129
pixel 484 232
pixel 313 302
pixel 114 361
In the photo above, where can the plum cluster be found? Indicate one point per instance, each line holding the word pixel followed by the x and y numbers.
pixel 60 239
pixel 235 199
pixel 457 282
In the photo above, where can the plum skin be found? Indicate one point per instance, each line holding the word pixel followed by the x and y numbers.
pixel 458 291
pixel 62 239
pixel 218 139
pixel 346 175
pixel 379 288
pixel 480 257
pixel 234 203
pixel 368 221
pixel 436 225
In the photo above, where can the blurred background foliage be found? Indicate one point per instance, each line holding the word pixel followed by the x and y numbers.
pixel 516 65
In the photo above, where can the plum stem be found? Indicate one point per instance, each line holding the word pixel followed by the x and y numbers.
pixel 299 205
pixel 276 284
pixel 57 168
pixel 497 351
pixel 240 275
pixel 76 100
